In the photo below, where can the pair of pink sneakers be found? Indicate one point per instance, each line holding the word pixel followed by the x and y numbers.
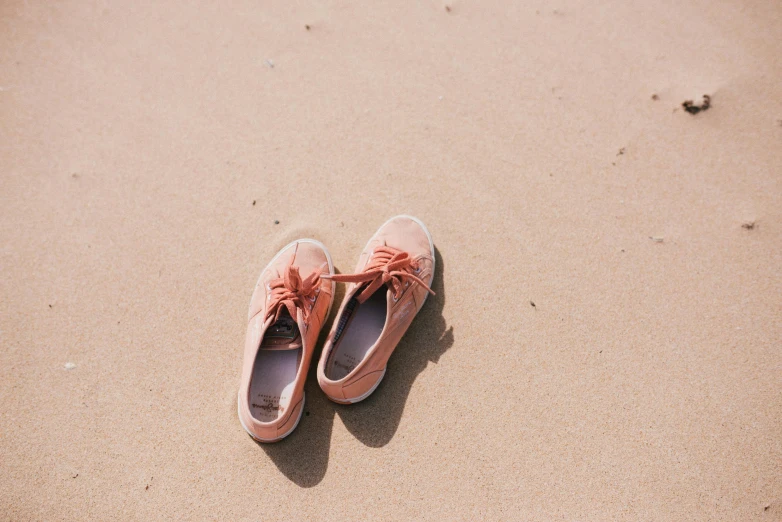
pixel 292 300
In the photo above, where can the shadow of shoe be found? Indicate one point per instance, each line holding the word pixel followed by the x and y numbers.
pixel 375 420
pixel 303 456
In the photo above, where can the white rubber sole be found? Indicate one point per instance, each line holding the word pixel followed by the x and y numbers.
pixel 331 303
pixel 431 279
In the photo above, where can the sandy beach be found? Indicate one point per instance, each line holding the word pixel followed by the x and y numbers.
pixel 606 338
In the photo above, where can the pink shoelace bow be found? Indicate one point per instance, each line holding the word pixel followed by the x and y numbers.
pixel 386 266
pixel 291 292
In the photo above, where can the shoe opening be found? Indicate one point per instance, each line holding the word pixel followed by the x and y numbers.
pixel 358 329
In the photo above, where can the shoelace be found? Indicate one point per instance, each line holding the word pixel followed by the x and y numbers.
pixel 386 266
pixel 291 292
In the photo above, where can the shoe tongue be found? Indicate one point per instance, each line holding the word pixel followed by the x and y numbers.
pixel 283 334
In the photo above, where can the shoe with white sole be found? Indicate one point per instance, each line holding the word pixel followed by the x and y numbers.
pixel 390 284
pixel 287 310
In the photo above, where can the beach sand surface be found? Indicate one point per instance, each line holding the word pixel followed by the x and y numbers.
pixel 155 156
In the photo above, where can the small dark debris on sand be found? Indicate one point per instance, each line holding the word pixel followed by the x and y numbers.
pixel 276 222
pixel 307 27
pixel 655 97
pixel 621 151
pixel 253 202
pixel 690 106
pixel 533 305
pixel 447 8
pixel 766 508
pixel 74 476
pixel 749 225
pixel 50 306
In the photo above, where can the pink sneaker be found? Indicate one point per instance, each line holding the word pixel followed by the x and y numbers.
pixel 286 315
pixel 390 285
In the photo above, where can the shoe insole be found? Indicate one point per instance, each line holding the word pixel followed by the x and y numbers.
pixel 272 382
pixel 362 324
